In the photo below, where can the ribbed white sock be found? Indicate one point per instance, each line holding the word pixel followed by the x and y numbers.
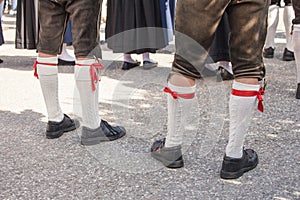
pixel 296 40
pixel 273 18
pixel 178 111
pixel 49 84
pixel 88 97
pixel 240 111
pixel 288 16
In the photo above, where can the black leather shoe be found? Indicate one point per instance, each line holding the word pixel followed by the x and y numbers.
pixel 56 129
pixel 149 64
pixel 170 157
pixel 65 62
pixel 224 75
pixel 233 168
pixel 129 65
pixel 268 52
pixel 1 61
pixel 105 132
pixel 298 91
pixel 288 55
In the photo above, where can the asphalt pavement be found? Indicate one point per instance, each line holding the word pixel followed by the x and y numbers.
pixel 33 167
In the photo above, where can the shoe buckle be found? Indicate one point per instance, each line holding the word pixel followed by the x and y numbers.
pixel 264 84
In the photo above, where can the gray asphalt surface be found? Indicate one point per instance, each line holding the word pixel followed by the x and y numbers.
pixel 33 167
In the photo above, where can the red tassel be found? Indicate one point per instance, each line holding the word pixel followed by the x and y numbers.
pixel 93 73
pixel 35 69
pixel 175 95
pixel 258 94
pixel 40 63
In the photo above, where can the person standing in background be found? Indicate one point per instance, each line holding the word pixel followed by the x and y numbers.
pixel 273 18
pixel 27 24
pixel 1 31
pixel 196 26
pixel 167 18
pixel 296 40
pixel 134 27
pixel 85 17
pixel 27 31
pixel 65 58
pixel 219 51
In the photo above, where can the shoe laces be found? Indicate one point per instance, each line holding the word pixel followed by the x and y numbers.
pixel 159 144
pixel 110 128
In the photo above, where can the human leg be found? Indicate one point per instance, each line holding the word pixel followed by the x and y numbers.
pixel 248 69
pixel 52 18
pixel 296 41
pixel 147 62
pixel 193 39
pixel 129 63
pixel 288 16
pixel 273 19
pixel 85 19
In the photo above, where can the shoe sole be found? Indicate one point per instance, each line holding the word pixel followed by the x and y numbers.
pixel 288 59
pixel 268 56
pixel 97 140
pixel 235 175
pixel 57 134
pixel 169 164
pixel 149 66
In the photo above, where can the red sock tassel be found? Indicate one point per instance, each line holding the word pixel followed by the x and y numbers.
pixel 93 73
pixel 175 95
pixel 35 67
pixel 258 94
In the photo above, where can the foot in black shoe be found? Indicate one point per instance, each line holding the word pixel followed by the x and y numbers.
pixel 65 62
pixel 56 129
pixel 105 132
pixel 149 64
pixel 268 52
pixel 233 168
pixel 288 55
pixel 170 157
pixel 129 65
pixel 298 91
pixel 224 75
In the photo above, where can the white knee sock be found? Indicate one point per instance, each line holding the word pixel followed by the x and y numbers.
pixel 240 111
pixel 178 111
pixel 296 40
pixel 88 97
pixel 288 16
pixel 273 19
pixel 49 84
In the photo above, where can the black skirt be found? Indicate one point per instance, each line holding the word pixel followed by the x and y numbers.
pixel 27 24
pixel 134 26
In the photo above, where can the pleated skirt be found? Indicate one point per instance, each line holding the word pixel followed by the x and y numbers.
pixel 134 26
pixel 27 24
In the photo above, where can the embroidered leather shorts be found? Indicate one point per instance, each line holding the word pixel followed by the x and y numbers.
pixel 196 23
pixel 53 17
